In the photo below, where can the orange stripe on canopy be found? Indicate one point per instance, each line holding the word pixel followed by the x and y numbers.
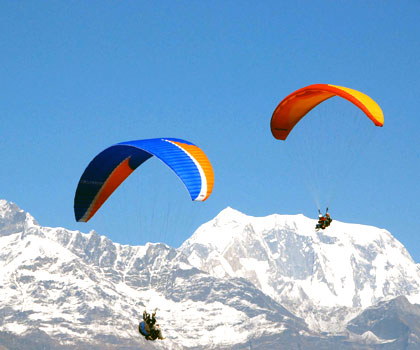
pixel 203 162
pixel 120 173
pixel 296 105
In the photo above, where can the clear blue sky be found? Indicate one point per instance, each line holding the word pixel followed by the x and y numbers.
pixel 79 76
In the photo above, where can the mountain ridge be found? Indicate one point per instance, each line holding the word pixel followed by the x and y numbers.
pixel 84 290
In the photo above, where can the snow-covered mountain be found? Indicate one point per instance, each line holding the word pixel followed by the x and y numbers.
pixel 237 283
pixel 393 323
pixel 325 277
pixel 84 289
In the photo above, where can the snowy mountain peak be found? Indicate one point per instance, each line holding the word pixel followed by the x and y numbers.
pixel 221 231
pixel 229 214
pixel 13 219
pixel 231 225
pixel 7 207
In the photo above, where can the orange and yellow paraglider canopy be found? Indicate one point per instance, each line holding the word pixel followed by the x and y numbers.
pixel 295 106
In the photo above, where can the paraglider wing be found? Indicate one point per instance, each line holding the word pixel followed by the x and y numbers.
pixel 113 165
pixel 295 106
